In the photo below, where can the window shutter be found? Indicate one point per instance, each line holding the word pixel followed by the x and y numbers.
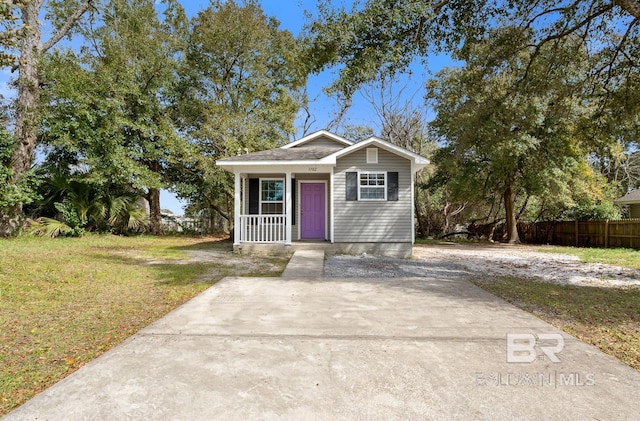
pixel 254 196
pixel 392 186
pixel 293 201
pixel 352 186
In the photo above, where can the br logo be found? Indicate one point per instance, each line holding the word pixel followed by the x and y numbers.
pixel 523 347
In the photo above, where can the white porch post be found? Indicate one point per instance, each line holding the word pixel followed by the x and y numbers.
pixel 288 217
pixel 236 209
pixel 331 212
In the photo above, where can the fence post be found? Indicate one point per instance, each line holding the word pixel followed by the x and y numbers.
pixel 606 234
pixel 577 235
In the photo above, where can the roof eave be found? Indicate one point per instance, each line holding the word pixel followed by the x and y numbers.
pixel 223 163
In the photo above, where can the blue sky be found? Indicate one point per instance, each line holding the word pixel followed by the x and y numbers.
pixel 291 14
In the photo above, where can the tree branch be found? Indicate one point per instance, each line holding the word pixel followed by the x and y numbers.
pixel 586 21
pixel 630 6
pixel 71 20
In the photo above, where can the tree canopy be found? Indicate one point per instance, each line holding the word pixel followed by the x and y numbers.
pixel 544 97
pixel 241 88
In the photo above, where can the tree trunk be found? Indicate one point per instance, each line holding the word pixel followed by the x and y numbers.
pixel 27 103
pixel 509 205
pixel 155 218
pixel 26 109
pixel 421 229
pixel 28 91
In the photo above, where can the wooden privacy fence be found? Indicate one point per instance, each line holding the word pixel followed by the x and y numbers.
pixel 623 233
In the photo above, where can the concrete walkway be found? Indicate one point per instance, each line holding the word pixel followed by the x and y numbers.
pixel 305 264
pixel 341 349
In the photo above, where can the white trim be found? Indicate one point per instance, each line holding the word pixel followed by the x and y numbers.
pixel 284 194
pixel 222 163
pixel 386 185
pixel 278 167
pixel 236 209
pixel 326 207
pixel 315 135
pixel 418 162
pixel 288 208
pixel 331 206
pixel 325 164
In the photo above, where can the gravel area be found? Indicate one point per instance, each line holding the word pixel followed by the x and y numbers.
pixel 483 262
pixel 369 266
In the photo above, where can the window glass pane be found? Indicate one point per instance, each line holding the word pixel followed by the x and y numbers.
pixel 272 190
pixel 272 208
pixel 372 193
pixel 372 186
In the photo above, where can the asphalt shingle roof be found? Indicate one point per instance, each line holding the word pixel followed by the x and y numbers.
pixel 633 196
pixel 293 154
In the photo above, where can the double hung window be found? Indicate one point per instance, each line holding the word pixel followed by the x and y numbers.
pixel 271 197
pixel 372 186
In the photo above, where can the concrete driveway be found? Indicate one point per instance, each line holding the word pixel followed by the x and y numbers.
pixel 352 349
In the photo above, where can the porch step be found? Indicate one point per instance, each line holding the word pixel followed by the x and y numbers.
pixel 305 264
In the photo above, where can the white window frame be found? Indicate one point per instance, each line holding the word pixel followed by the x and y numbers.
pixel 384 187
pixel 284 193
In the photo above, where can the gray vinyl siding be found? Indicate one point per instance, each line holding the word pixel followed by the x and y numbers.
pixel 634 210
pixel 321 142
pixel 373 221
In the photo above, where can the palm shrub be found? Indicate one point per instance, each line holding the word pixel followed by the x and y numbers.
pixel 73 207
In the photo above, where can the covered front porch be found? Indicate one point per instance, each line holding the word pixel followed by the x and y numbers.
pixel 281 207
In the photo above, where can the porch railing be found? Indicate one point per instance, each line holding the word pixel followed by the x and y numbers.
pixel 262 228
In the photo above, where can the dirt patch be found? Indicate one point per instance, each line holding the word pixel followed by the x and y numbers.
pixel 222 262
pixel 485 261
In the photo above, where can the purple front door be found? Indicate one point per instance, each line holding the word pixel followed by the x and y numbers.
pixel 312 210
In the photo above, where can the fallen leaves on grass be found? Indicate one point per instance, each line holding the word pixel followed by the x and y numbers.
pixel 608 318
pixel 64 302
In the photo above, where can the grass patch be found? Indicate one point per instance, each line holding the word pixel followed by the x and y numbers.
pixel 64 302
pixel 448 240
pixel 608 318
pixel 628 258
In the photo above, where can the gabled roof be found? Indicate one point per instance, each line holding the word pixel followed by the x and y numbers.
pixel 629 198
pixel 417 160
pixel 320 155
pixel 315 135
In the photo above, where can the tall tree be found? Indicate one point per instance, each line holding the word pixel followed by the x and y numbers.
pixel 505 135
pixel 62 15
pixel 241 89
pixel 381 36
pixel 110 102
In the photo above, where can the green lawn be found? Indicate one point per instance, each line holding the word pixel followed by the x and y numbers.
pixel 608 318
pixel 619 257
pixel 63 302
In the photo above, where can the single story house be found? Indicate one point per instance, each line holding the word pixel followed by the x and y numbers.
pixel 323 187
pixel 631 199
